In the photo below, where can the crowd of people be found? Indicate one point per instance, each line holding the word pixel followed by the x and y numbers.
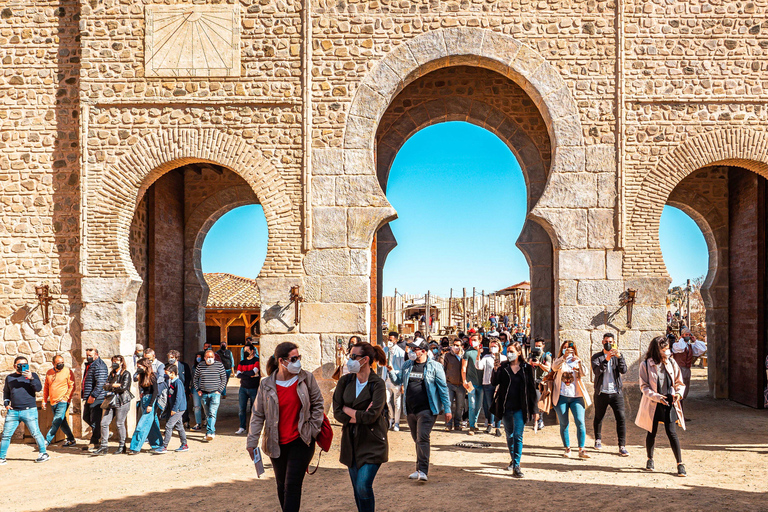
pixel 511 381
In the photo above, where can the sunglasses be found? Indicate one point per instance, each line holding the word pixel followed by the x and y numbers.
pixel 355 357
pixel 293 359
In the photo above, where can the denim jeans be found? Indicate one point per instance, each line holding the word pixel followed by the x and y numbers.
pixel 60 421
pixel 121 415
pixel 197 407
pixel 210 403
pixel 475 402
pixel 514 425
pixel 12 420
pixel 576 405
pixel 246 395
pixel 148 427
pixel 229 374
pixel 490 419
pixel 456 395
pixel 362 485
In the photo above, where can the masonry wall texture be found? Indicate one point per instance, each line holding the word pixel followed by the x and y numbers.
pixel 619 103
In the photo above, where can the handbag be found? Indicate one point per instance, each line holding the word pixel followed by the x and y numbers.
pixel 110 401
pixel 324 440
pixel 337 374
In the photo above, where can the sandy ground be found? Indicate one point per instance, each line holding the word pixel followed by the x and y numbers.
pixel 725 450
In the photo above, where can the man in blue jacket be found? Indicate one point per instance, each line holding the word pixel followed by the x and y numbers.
pixel 425 395
pixel 177 404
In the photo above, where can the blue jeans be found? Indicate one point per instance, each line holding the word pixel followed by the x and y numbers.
pixel 229 374
pixel 362 485
pixel 475 402
pixel 576 405
pixel 246 395
pixel 210 403
pixel 490 419
pixel 514 424
pixel 197 407
pixel 12 420
pixel 148 427
pixel 60 421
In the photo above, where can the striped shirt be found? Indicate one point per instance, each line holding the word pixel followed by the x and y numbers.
pixel 210 378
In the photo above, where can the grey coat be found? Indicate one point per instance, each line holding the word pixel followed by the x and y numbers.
pixel 266 413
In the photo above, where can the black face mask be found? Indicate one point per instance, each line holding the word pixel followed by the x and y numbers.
pixel 140 370
pixel 89 359
pixel 60 366
pixel 115 366
pixel 608 346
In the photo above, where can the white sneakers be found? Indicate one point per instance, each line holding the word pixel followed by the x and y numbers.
pixel 418 475
pixel 209 437
pixel 240 431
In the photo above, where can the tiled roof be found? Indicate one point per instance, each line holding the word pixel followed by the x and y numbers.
pixel 232 292
pixel 525 285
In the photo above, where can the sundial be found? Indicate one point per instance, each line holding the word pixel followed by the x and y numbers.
pixel 192 41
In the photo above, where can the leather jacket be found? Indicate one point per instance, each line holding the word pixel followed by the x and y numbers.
pixel 123 392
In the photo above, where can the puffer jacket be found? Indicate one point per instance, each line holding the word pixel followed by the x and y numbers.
pixel 124 395
pixel 266 413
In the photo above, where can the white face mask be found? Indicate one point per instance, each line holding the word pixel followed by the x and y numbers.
pixel 456 349
pixel 210 360
pixel 390 344
pixel 294 368
pixel 668 353
pixel 512 356
pixel 494 350
pixel 353 366
pixel 412 355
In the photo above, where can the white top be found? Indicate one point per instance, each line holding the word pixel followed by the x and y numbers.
pixel 569 390
pixel 287 383
pixel 698 347
pixel 359 386
pixel 486 364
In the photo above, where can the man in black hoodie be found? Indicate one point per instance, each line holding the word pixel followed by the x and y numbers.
pixel 94 378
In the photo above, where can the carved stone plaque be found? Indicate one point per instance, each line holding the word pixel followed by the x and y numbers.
pixel 192 41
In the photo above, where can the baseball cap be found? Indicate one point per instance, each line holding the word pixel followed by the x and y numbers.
pixel 419 343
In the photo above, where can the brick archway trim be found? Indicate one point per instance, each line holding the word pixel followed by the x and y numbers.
pixel 116 194
pixel 740 147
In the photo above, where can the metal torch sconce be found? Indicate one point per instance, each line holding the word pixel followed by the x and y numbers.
pixel 630 303
pixel 296 298
pixel 44 300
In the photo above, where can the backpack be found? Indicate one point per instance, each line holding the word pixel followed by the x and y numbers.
pixel 162 397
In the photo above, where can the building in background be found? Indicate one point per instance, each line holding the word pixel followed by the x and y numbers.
pixel 232 311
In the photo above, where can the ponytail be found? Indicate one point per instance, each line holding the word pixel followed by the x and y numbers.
pixel 281 352
pixel 374 353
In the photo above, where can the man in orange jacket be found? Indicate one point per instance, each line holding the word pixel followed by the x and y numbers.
pixel 57 390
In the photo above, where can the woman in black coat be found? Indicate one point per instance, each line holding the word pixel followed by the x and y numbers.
pixel 118 386
pixel 359 404
pixel 515 401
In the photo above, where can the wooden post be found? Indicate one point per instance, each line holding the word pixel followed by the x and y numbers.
pixel 426 317
pixel 464 311
pixel 450 311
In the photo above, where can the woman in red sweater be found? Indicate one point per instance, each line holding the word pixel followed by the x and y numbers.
pixel 289 409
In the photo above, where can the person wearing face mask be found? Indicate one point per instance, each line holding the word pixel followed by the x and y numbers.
pixel 425 396
pixel 119 385
pixel 608 366
pixel 148 426
pixel 177 404
pixel 289 411
pixel 486 364
pixel 456 392
pixel 359 405
pixel 570 393
pixel 157 367
pixel 515 401
pixel 138 353
pixel 94 377
pixel 210 380
pixel 57 390
pixel 228 360
pixel 19 400
pixel 185 375
pixel 661 382
pixel 471 380
pixel 249 373
pixel 395 359
pixel 197 405
pixel 685 351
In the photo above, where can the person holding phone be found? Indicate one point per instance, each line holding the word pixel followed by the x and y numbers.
pixel 570 393
pixel 608 366
pixel 289 412
pixel 661 382
pixel 19 399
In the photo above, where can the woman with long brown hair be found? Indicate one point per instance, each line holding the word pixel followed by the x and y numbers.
pixel 359 404
pixel 148 426
pixel 569 392
pixel 118 388
pixel 289 409
pixel 661 382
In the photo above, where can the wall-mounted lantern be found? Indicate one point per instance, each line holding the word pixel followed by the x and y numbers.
pixel 296 298
pixel 629 301
pixel 44 300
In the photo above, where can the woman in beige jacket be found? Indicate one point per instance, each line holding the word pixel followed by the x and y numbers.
pixel 569 392
pixel 289 408
pixel 662 385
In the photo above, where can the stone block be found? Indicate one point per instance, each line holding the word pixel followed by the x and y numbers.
pixel 362 223
pixel 600 292
pixel 570 225
pixel 401 61
pixel 613 264
pixel 600 228
pixel 463 41
pixel 568 131
pixel 13 333
pixel 329 227
pixel 102 316
pixel 326 262
pixel 567 293
pixel 499 47
pixel 428 47
pixel 629 340
pixel 323 191
pixel 570 190
pixel 327 161
pixel 345 289
pixel 359 161
pixel 385 79
pixel 583 318
pixel 606 190
pixel 109 289
pixel 369 103
pixel 312 289
pixel 581 264
pixel 107 343
pixel 360 262
pixel 328 354
pixel 359 191
pixel 650 318
pixel 568 159
pixel 330 318
pixel 360 133
pixel 527 61
pixel 309 348
pixel 601 158
pixel 550 84
pixel 651 291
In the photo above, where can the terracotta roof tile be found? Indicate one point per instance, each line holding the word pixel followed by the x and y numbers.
pixel 228 291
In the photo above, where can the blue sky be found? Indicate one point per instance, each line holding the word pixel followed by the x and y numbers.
pixel 460 197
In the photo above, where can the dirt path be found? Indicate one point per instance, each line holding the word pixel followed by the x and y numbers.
pixel 725 450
